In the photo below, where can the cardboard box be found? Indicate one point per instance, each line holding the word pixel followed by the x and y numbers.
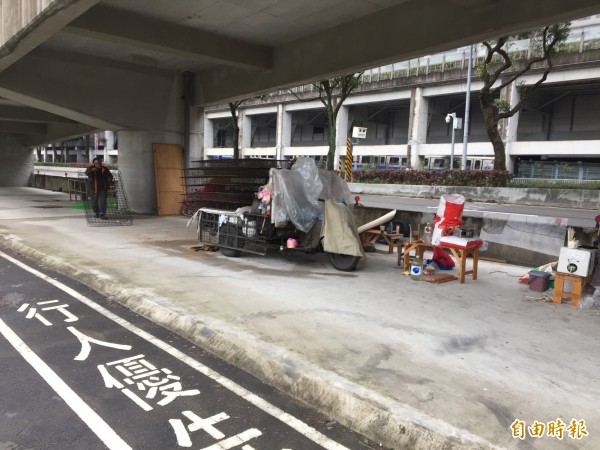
pixel 576 261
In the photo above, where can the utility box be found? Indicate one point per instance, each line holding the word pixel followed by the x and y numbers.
pixel 359 132
pixel 576 261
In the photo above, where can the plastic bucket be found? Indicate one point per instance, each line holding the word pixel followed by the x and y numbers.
pixel 538 281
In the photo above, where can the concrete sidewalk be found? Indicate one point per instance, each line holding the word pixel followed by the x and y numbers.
pixel 410 364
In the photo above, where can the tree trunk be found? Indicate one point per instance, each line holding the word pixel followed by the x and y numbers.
pixel 491 126
pixel 236 139
pixel 235 130
pixel 331 139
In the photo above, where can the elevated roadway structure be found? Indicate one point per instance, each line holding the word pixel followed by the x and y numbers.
pixel 148 69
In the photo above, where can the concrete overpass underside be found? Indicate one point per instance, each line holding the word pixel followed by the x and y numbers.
pixel 146 69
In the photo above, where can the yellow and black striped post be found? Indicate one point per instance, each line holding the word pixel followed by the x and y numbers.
pixel 348 160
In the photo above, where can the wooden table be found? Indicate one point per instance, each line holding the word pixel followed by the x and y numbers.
pixel 459 254
pixel 371 236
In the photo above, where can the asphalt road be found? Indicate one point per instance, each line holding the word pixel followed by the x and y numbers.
pixel 79 371
pixel 575 217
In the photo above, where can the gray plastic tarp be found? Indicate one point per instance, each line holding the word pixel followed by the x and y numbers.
pixel 296 193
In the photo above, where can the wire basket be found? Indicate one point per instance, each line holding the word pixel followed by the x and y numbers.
pixel 245 232
pixel 117 207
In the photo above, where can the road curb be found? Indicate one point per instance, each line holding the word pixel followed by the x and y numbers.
pixel 379 418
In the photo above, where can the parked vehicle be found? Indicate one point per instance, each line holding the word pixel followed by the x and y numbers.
pixel 301 209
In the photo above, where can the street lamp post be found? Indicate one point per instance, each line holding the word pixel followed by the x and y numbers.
pixel 456 124
pixel 463 164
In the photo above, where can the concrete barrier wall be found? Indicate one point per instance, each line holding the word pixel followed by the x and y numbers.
pixel 54 178
pixel 49 183
pixel 511 254
pixel 566 198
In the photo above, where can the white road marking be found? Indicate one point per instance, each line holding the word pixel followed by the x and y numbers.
pixel 86 347
pixel 105 433
pixel 183 438
pixel 296 424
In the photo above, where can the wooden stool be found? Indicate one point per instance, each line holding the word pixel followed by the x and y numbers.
pixel 576 288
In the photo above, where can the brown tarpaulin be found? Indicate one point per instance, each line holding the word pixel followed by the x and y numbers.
pixel 339 231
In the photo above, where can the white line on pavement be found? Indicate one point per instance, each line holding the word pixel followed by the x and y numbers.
pixel 105 433
pixel 302 428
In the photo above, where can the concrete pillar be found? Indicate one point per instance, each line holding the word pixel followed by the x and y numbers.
pixel 109 136
pixel 286 130
pixel 136 165
pixel 196 135
pixel 341 127
pixel 510 126
pixel 279 137
pixel 209 134
pixel 245 124
pixel 16 162
pixel 417 131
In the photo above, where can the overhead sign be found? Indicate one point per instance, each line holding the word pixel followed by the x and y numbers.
pixel 359 132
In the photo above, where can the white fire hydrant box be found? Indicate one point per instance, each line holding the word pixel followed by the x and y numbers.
pixel 576 261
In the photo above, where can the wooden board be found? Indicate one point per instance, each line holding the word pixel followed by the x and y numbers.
pixel 439 278
pixel 168 173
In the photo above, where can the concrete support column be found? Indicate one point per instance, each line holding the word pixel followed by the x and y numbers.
pixel 81 157
pixel 16 162
pixel 196 135
pixel 109 136
pixel 282 139
pixel 511 125
pixel 341 127
pixel 417 125
pixel 136 164
pixel 286 130
pixel 245 124
pixel 209 134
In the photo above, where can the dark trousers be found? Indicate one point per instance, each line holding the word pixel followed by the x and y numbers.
pixel 99 202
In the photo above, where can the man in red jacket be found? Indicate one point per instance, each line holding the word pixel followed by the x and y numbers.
pixel 100 179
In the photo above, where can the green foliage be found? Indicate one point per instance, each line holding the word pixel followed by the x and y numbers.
pixel 482 71
pixel 474 178
pixel 502 105
pixel 332 93
pixel 550 38
pixel 342 86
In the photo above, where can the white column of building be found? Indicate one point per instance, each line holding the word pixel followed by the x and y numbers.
pixel 245 124
pixel 209 135
pixel 341 127
pixel 282 139
pixel 109 143
pixel 286 130
pixel 417 132
pixel 196 135
pixel 511 127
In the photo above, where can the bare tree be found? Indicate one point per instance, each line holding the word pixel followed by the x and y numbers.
pixel 497 76
pixel 332 93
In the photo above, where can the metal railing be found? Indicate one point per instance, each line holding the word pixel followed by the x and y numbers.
pixel 551 180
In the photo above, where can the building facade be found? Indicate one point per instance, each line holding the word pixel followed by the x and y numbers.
pixel 404 107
